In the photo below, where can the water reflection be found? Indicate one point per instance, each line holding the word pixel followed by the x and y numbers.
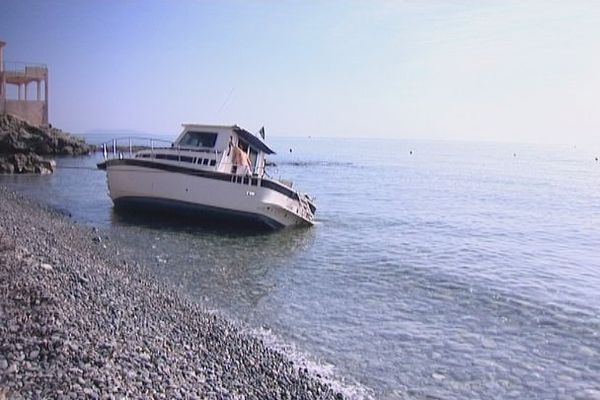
pixel 222 265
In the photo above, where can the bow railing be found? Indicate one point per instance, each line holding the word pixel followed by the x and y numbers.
pixel 118 147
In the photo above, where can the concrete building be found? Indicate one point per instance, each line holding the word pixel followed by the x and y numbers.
pixel 18 102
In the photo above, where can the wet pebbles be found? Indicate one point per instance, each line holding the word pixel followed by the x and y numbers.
pixel 76 322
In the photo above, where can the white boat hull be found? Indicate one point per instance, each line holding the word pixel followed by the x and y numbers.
pixel 133 182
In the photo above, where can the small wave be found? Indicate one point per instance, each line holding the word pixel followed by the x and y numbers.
pixel 317 368
pixel 318 164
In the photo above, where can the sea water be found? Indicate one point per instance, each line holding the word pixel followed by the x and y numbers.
pixel 435 269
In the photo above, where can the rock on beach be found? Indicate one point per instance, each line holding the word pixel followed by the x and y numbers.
pixel 77 323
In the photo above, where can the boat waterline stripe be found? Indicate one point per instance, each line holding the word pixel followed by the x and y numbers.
pixel 194 172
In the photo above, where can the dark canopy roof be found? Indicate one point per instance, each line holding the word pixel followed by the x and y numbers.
pixel 253 140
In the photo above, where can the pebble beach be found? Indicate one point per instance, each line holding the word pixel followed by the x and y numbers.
pixel 77 320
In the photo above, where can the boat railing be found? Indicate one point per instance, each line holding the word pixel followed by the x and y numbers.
pixel 119 147
pixel 128 146
pixel 241 169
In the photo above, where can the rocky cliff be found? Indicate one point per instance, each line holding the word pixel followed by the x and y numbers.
pixel 22 145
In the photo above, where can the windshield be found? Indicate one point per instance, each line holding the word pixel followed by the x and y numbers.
pixel 198 139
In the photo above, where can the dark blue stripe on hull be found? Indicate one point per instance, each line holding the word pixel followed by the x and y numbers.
pixel 193 210
pixel 273 185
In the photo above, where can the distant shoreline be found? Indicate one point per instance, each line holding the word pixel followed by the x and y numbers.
pixel 78 321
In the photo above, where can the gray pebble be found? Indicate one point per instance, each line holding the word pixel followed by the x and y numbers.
pixel 12 369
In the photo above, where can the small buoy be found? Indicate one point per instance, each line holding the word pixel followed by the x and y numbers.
pixel 514 154
pixel 290 150
pixel 410 152
pixel 596 158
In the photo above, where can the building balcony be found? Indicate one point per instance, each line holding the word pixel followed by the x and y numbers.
pixel 22 73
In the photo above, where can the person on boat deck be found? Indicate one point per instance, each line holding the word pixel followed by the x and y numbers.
pixel 242 161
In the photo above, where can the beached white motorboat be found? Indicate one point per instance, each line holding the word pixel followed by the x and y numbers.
pixel 210 170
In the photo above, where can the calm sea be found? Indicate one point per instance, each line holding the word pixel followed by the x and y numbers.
pixel 460 271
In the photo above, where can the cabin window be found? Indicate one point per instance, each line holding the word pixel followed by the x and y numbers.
pixel 198 139
pixel 243 145
pixel 205 162
pixel 174 157
pixel 213 163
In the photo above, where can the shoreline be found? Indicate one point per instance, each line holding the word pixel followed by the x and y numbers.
pixel 77 320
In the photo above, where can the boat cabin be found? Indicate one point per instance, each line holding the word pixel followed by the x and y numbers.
pixel 219 148
pixel 237 151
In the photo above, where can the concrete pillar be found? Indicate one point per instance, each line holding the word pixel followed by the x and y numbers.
pixel 2 79
pixel 26 84
pixel 45 99
pixel 19 97
pixel 39 92
pixel 2 56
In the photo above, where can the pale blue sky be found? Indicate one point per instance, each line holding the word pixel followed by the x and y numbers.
pixel 524 71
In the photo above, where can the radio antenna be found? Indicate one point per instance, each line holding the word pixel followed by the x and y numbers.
pixel 225 102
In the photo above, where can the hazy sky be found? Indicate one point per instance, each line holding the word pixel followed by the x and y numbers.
pixel 525 71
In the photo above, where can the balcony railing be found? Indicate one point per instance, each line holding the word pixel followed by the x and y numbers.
pixel 23 67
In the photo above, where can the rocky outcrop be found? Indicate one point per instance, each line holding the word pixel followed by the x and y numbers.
pixel 17 136
pixel 26 164
pixel 23 144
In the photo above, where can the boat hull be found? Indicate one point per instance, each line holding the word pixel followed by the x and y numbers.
pixel 249 199
pixel 196 212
